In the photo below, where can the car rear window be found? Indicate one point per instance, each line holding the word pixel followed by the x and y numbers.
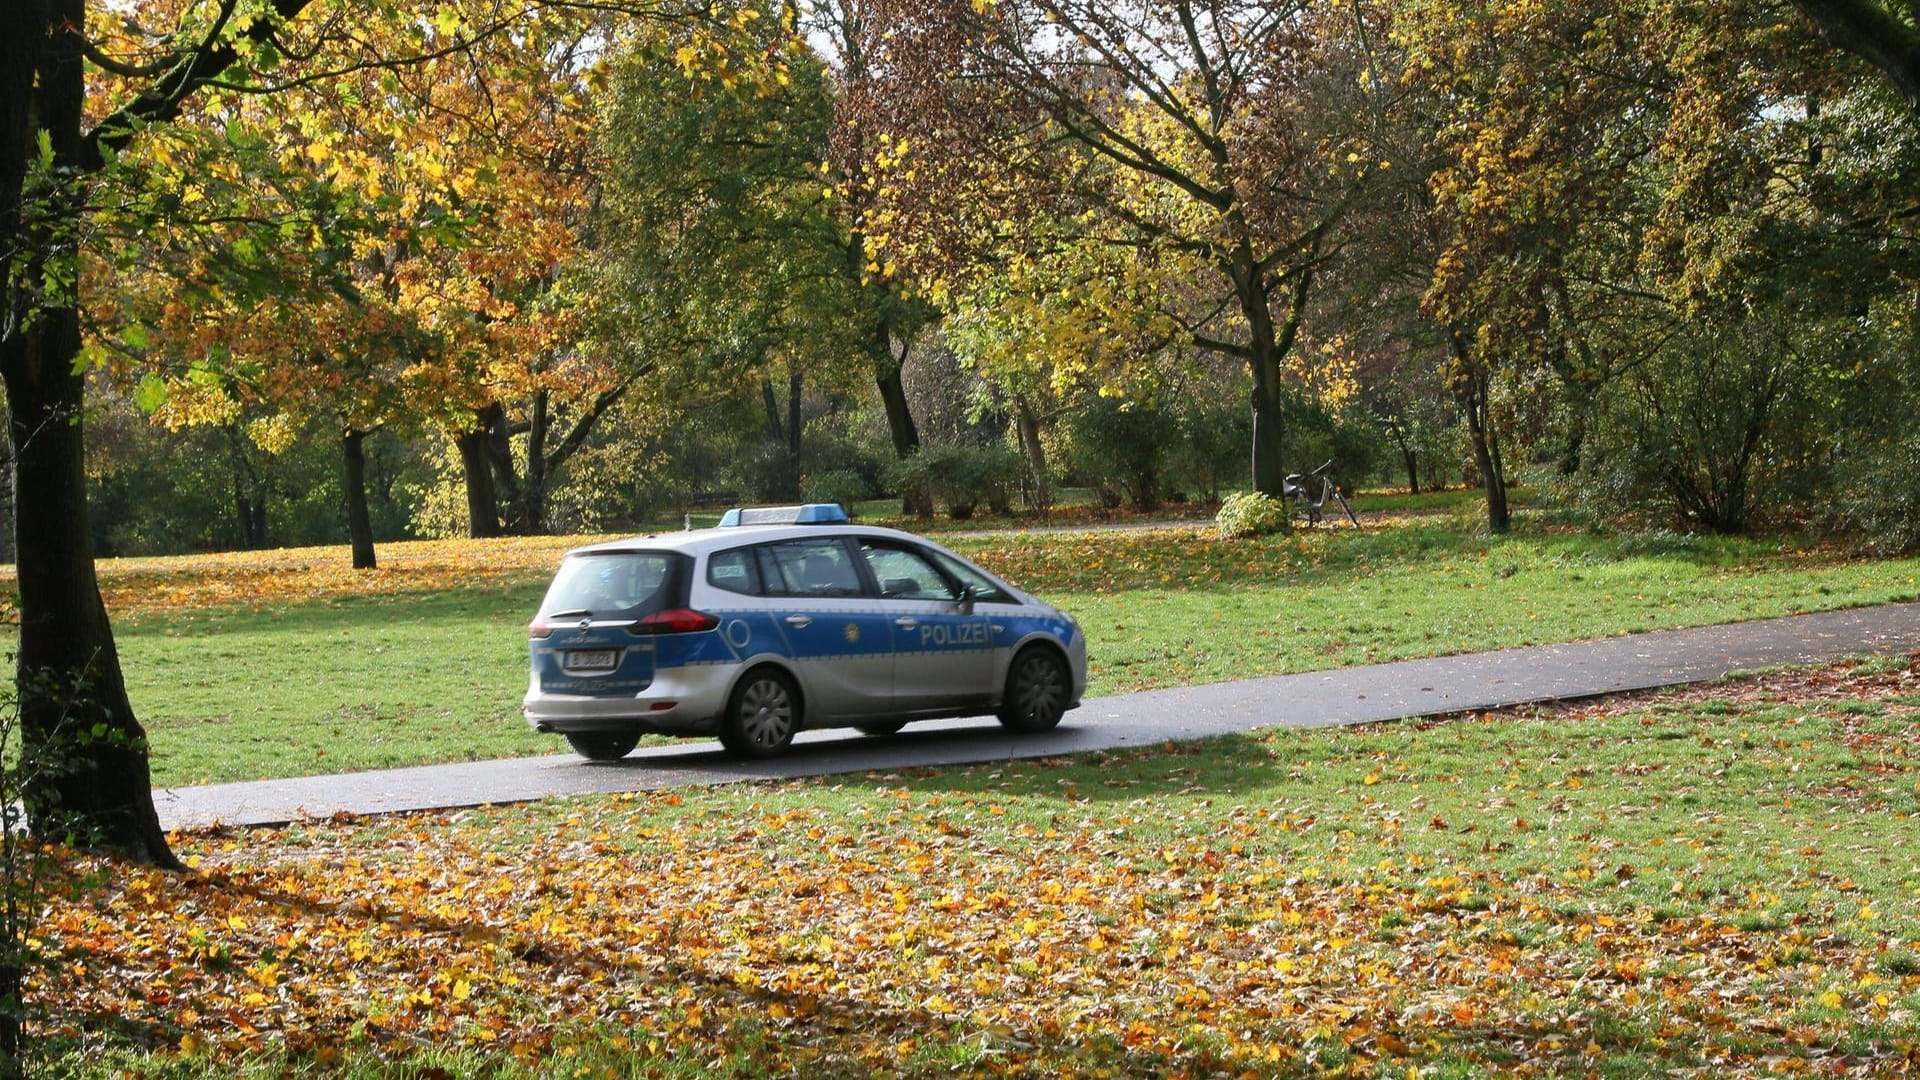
pixel 617 585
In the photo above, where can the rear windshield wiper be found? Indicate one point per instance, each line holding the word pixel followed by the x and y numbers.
pixel 570 613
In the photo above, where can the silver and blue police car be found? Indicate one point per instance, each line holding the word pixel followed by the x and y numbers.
pixel 786 618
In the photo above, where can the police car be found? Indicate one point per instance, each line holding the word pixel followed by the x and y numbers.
pixel 785 618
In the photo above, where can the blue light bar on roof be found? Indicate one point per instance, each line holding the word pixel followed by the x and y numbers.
pixel 807 514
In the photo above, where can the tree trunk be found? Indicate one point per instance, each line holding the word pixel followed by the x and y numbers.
pixel 249 494
pixel 359 522
pixel 1412 464
pixel 483 510
pixel 1028 426
pixel 769 401
pixel 1470 381
pixel 893 395
pixel 91 781
pixel 795 385
pixel 1876 35
pixel 1267 346
pixel 533 493
pixel 498 440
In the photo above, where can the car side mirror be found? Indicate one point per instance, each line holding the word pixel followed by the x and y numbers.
pixel 965 600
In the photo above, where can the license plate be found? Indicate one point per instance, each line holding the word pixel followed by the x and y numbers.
pixel 591 659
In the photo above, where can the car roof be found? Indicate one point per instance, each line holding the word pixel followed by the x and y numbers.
pixel 702 541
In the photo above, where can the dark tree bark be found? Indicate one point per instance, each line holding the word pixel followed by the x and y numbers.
pixel 769 401
pixel 359 522
pixel 1267 346
pixel 249 492
pixel 527 497
pixel 1470 384
pixel 73 707
pixel 893 395
pixel 1874 34
pixel 783 429
pixel 483 508
pixel 76 720
pixel 795 384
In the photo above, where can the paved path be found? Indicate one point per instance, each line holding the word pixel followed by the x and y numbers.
pixel 1314 699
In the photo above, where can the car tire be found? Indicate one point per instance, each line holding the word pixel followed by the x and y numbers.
pixel 602 745
pixel 1037 693
pixel 884 727
pixel 763 713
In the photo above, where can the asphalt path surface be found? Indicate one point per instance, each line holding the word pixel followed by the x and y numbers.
pixel 1354 695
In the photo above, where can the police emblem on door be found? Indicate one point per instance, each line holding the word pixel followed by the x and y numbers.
pixel 853 634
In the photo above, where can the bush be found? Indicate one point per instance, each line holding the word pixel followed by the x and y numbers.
pixel 1882 498
pixel 1250 513
pixel 961 477
pixel 843 486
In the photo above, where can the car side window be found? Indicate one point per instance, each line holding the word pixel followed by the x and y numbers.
pixel 984 590
pixel 905 574
pixel 735 571
pixel 809 568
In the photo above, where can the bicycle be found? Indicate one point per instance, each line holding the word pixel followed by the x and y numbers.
pixel 1298 492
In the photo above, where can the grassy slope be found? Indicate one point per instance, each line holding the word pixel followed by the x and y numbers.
pixel 374 672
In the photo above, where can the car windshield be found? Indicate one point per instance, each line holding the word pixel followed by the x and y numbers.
pixel 615 585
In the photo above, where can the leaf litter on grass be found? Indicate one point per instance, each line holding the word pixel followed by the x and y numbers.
pixel 1443 897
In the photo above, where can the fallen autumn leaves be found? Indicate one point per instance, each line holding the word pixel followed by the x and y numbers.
pixel 1450 899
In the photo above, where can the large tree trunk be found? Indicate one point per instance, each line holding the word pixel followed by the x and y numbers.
pixel 1471 384
pixel 506 475
pixel 483 509
pixel 359 522
pixel 85 754
pixel 88 778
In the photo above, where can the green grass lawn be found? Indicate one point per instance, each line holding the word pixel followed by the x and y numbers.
pixel 1716 882
pixel 237 691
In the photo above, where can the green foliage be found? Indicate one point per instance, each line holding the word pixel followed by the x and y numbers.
pixel 1722 425
pixel 1251 513
pixel 1880 495
pixel 961 477
pixel 843 486
pixel 1119 448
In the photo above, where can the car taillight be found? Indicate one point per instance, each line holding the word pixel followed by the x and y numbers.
pixel 538 629
pixel 675 621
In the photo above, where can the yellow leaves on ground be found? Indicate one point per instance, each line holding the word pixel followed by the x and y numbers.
pixel 292 575
pixel 840 939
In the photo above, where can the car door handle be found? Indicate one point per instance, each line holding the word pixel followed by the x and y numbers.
pixel 800 622
pixel 906 623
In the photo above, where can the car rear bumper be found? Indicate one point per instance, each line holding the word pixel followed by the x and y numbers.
pixel 681 700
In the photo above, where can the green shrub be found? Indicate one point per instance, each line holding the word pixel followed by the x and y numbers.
pixel 843 486
pixel 1250 513
pixel 961 477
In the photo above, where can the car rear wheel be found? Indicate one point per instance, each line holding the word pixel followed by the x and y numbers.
pixel 1037 691
pixel 762 715
pixel 602 745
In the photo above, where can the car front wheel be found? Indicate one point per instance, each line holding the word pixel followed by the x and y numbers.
pixel 602 745
pixel 1037 692
pixel 762 715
